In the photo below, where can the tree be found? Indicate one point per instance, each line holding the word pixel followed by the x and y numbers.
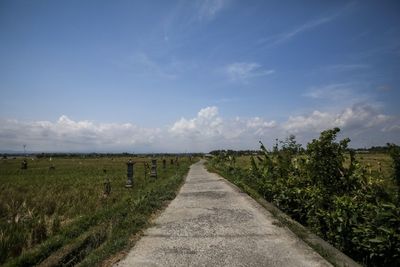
pixel 326 157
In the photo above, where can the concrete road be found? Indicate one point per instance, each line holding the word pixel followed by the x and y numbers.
pixel 211 223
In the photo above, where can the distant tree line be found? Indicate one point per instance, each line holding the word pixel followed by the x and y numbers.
pixel 297 148
pixel 374 149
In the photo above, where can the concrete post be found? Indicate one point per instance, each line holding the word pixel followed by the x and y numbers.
pixel 153 170
pixel 130 173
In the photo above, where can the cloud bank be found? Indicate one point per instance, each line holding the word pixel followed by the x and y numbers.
pixel 208 130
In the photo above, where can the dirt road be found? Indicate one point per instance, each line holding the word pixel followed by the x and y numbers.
pixel 211 223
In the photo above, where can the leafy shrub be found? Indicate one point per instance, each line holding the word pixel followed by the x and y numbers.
pixel 339 202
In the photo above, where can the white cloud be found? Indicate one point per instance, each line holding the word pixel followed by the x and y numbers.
pixel 302 28
pixel 69 135
pixel 258 122
pixel 316 121
pixel 334 91
pixel 242 71
pixel 288 35
pixel 363 123
pixel 357 117
pixel 206 124
pixel 209 123
pixel 208 112
pixel 208 130
pixel 340 95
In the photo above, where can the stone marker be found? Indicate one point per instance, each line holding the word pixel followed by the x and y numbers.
pixel 153 170
pixel 164 163
pixel 129 181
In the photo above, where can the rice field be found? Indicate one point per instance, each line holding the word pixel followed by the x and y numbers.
pixel 59 203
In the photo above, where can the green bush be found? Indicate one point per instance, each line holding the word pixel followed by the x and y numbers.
pixel 339 202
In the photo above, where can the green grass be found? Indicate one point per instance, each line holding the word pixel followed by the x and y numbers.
pixel 379 164
pixel 62 212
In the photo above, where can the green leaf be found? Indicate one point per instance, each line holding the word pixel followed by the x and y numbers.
pixel 389 205
pixel 386 230
pixel 377 240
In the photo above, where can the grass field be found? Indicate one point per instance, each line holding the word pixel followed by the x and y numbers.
pixel 64 212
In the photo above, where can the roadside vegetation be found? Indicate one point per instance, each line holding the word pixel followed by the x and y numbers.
pixel 60 212
pixel 350 200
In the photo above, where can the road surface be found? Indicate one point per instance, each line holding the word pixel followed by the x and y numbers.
pixel 211 223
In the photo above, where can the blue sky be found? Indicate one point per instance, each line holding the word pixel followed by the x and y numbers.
pixel 196 75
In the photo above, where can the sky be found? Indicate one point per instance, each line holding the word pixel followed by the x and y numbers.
pixel 194 76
